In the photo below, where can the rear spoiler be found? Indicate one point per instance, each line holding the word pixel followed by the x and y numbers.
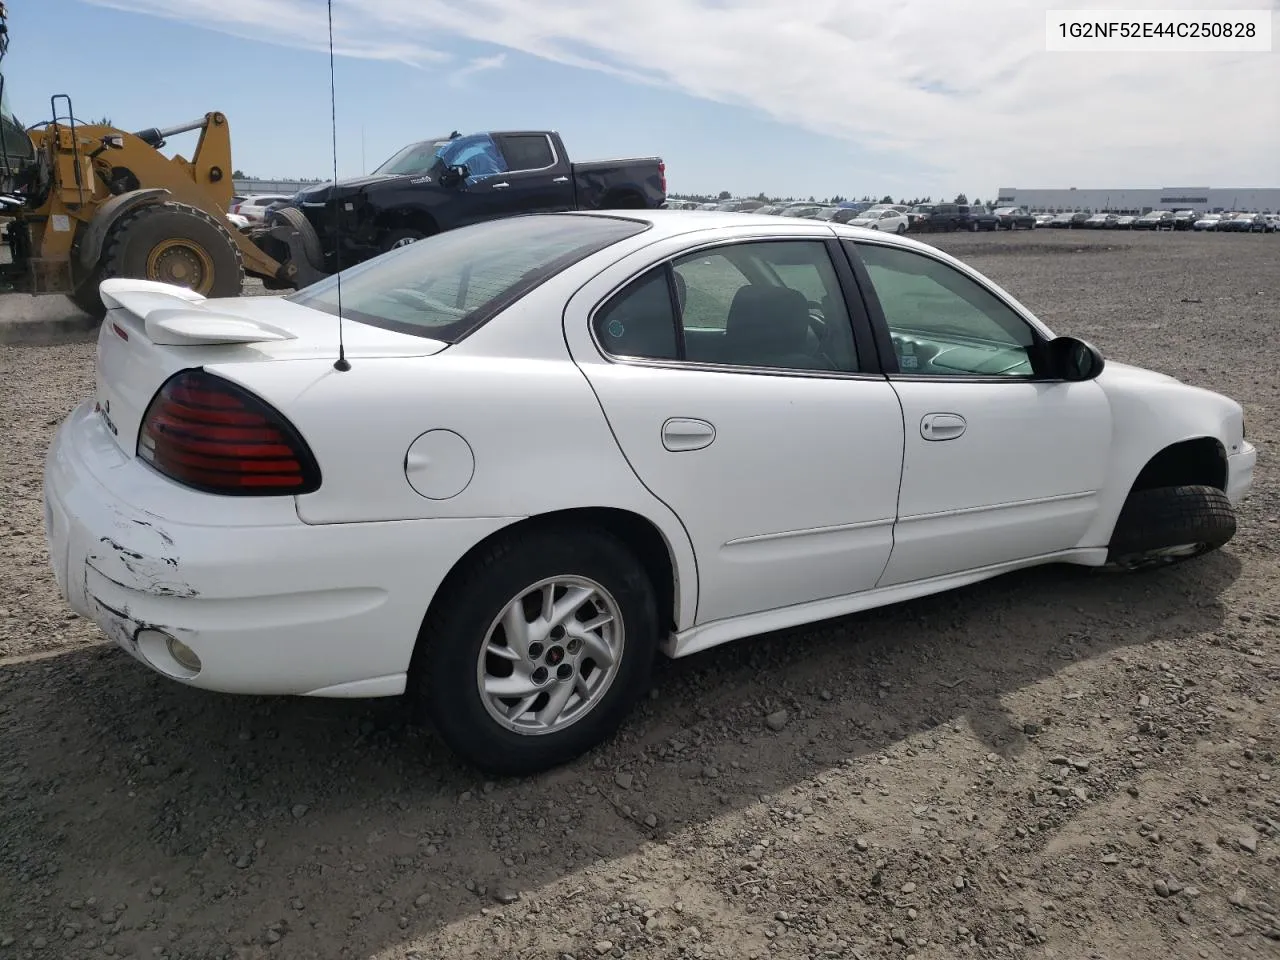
pixel 176 316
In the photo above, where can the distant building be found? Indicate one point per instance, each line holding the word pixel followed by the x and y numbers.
pixel 244 187
pixel 1141 200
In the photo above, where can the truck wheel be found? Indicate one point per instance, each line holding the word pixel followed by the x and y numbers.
pixel 295 218
pixel 1167 525
pixel 178 244
pixel 536 650
pixel 394 239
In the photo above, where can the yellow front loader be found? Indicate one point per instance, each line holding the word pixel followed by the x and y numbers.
pixel 92 202
pixel 84 202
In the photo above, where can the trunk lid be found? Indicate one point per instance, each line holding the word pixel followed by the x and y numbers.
pixel 153 330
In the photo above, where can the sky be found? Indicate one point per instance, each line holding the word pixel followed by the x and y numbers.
pixel 796 98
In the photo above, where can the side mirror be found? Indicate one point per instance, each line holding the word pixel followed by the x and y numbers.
pixel 454 175
pixel 1075 360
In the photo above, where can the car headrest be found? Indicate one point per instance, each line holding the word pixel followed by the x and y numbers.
pixel 768 320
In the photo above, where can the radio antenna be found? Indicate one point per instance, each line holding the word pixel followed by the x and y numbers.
pixel 341 364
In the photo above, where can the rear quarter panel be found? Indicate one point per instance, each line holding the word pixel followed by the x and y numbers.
pixel 539 439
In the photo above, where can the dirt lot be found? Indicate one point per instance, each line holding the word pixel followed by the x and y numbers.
pixel 1053 764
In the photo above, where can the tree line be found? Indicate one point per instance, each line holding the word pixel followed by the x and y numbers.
pixel 241 175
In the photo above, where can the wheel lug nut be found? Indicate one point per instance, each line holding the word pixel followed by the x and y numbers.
pixel 574 645
pixel 564 671
pixel 535 651
pixel 557 632
pixel 540 675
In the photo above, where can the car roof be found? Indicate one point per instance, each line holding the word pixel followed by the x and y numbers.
pixel 675 223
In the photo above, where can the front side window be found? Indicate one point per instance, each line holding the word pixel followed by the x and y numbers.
pixel 774 304
pixel 478 153
pixel 942 322
pixel 446 285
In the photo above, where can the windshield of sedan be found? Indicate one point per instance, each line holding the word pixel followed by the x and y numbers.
pixel 445 286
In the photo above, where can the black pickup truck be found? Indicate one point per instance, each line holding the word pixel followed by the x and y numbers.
pixel 446 182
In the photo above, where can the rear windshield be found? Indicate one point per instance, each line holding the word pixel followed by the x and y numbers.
pixel 445 286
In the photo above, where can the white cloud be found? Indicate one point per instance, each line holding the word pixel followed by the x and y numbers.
pixel 966 89
pixel 458 77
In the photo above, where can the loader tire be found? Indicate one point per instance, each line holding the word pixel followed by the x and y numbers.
pixel 178 244
pixel 86 297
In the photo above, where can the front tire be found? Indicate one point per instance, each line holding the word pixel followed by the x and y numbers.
pixel 537 649
pixel 1167 525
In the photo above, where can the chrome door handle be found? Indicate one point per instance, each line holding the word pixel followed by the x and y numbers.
pixel 683 433
pixel 560 180
pixel 501 186
pixel 942 426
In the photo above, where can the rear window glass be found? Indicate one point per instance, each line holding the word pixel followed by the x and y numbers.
pixel 445 286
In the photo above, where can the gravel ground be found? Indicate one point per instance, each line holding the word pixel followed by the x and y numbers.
pixel 1052 764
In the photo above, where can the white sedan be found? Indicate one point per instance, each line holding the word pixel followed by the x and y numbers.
pixel 524 456
pixel 890 221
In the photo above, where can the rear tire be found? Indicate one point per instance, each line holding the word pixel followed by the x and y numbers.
pixel 174 243
pixel 454 660
pixel 1167 525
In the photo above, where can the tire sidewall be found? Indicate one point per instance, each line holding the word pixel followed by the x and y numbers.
pixel 1163 517
pixel 136 236
pixel 444 676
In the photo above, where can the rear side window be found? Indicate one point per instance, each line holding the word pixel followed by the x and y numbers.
pixel 527 152
pixel 445 286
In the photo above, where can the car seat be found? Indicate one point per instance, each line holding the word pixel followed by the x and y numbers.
pixel 768 326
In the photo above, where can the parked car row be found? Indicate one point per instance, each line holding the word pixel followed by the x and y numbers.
pixel 1157 220
pixel 942 217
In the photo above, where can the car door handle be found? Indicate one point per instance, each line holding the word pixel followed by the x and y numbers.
pixel 942 426
pixel 501 186
pixel 681 433
pixel 560 180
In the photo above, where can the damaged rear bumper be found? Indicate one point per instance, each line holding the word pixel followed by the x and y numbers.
pixel 270 605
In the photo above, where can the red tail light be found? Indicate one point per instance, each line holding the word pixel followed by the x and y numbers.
pixel 662 176
pixel 211 435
